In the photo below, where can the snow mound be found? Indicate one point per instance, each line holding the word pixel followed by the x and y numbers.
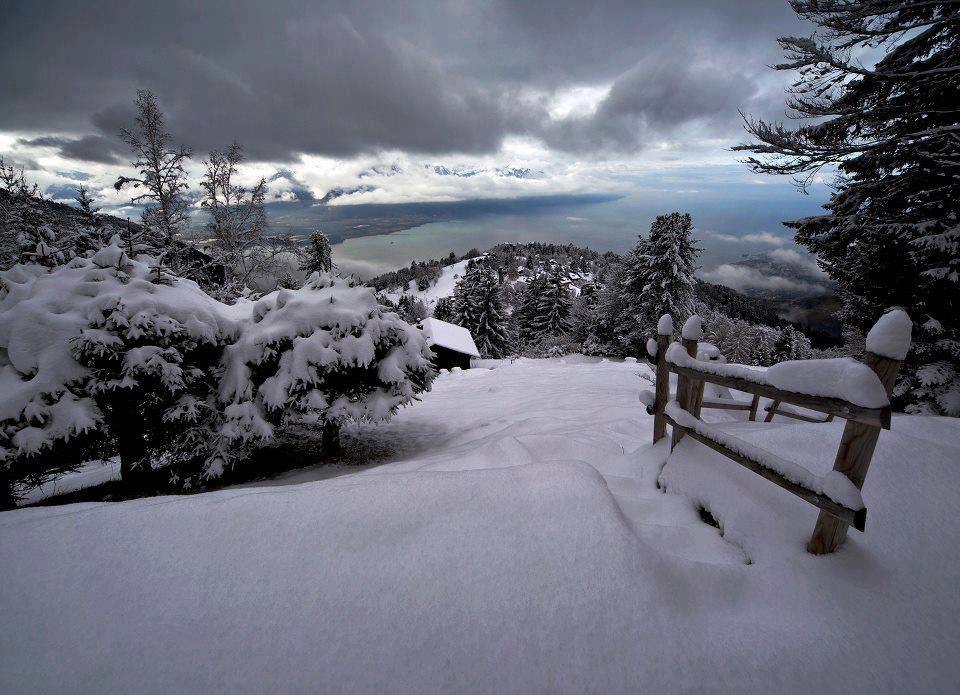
pixel 831 484
pixel 843 378
pixel 890 336
pixel 665 325
pixel 283 589
pixel 692 328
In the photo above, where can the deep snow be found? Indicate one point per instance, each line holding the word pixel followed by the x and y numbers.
pixel 514 539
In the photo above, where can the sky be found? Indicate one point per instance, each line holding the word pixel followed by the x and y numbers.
pixel 394 102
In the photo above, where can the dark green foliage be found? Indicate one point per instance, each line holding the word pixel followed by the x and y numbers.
pixel 479 308
pixel 891 233
pixel 317 257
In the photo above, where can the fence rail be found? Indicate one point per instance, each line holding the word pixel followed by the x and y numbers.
pixel 857 443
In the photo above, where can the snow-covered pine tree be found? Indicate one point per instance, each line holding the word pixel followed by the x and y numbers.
pixel 411 309
pixel 88 232
pixel 480 309
pixel 791 344
pixel 163 179
pixel 527 301
pixel 19 237
pixel 324 354
pixel 553 307
pixel 669 260
pixel 891 234
pixel 625 305
pixel 111 354
pixel 317 256
pixel 443 310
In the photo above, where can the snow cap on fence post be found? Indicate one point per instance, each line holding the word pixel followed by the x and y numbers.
pixel 890 336
pixel 652 348
pixel 665 325
pixel 692 328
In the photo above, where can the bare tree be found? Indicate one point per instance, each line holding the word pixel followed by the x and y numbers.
pixel 238 224
pixel 162 176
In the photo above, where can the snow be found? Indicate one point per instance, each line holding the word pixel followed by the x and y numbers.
pixel 652 348
pixel 834 485
pixel 843 378
pixel 665 325
pixel 692 328
pixel 890 336
pixel 450 336
pixel 509 535
pixel 443 287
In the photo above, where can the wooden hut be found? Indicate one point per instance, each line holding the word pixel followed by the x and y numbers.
pixel 452 345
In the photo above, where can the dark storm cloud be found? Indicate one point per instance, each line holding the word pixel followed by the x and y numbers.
pixel 89 148
pixel 341 78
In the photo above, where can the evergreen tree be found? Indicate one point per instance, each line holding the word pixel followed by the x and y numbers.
pixel 669 260
pixel 88 232
pixel 553 307
pixel 891 233
pixel 443 310
pixel 318 257
pixel 791 344
pixel 480 309
pixel 527 304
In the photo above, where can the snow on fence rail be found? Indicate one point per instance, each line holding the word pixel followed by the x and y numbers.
pixel 858 392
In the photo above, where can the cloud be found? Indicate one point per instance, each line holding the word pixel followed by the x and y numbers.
pixel 742 278
pixel 90 148
pixel 349 79
pixel 756 238
pixel 802 261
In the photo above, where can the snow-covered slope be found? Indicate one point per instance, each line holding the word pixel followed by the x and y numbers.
pixel 443 287
pixel 513 539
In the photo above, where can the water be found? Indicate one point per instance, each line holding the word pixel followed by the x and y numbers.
pixel 719 210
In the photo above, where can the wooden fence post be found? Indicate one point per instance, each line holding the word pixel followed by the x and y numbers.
pixel 689 392
pixel 662 393
pixel 853 459
pixel 754 406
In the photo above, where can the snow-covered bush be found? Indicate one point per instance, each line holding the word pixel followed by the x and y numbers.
pixel 107 355
pixel 112 354
pixel 325 354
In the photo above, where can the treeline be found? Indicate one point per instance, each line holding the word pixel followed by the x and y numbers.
pixel 423 273
pixel 542 300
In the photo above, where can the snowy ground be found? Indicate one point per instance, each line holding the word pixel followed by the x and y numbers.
pixel 513 538
pixel 443 287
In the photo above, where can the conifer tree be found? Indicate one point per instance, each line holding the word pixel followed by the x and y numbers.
pixel 88 231
pixel 669 260
pixel 443 310
pixel 480 309
pixel 891 232
pixel 553 307
pixel 318 257
pixel 527 305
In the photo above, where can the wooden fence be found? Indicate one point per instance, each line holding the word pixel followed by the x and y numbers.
pixel 853 457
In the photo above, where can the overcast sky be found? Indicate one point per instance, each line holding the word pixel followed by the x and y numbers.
pixel 582 93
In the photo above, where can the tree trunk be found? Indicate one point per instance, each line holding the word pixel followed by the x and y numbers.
pixel 131 444
pixel 6 490
pixel 330 443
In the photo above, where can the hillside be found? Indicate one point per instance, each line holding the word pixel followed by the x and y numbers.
pixel 518 264
pixel 62 216
pixel 510 534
